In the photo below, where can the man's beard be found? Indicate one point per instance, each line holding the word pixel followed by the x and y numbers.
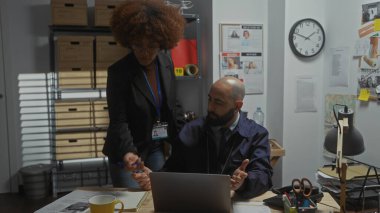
pixel 219 120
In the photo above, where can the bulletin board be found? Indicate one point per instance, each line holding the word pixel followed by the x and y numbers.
pixel 241 55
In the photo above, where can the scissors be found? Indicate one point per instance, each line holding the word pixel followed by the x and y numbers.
pixel 302 189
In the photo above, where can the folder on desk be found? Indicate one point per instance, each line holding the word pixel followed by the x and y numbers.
pixel 357 180
pixel 353 172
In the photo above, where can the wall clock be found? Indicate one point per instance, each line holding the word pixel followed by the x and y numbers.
pixel 306 38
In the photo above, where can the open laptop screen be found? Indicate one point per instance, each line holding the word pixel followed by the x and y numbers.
pixel 183 192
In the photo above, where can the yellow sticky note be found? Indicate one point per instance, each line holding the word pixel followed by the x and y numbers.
pixel 364 95
pixel 178 71
pixel 376 25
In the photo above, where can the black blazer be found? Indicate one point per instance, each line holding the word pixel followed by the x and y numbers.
pixel 131 107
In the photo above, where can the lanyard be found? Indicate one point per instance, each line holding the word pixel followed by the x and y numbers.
pixel 157 106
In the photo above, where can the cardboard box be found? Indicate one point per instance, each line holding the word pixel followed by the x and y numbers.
pixel 74 49
pixel 73 66
pixel 100 138
pixel 79 151
pixel 75 79
pixel 101 79
pixel 100 113
pixel 72 114
pixel 70 106
pixel 68 156
pixel 76 149
pixel 74 139
pixel 103 11
pixel 108 50
pixel 69 12
pixel 73 123
pixel 103 67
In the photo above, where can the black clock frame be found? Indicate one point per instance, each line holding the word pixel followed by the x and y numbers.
pixel 290 38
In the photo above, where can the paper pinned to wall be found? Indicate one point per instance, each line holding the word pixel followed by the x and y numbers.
pixel 305 94
pixel 340 59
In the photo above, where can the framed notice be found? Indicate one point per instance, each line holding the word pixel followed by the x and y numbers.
pixel 241 55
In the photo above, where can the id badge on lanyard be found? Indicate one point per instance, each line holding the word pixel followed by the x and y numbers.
pixel 160 130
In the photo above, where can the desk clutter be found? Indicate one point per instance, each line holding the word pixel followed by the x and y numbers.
pixel 301 195
pixel 363 185
pixel 78 200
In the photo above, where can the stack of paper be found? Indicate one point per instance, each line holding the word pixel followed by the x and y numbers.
pixel 328 178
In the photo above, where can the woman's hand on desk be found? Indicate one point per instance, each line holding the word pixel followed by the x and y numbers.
pixel 239 175
pixel 142 177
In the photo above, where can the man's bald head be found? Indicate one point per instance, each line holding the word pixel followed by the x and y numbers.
pixel 232 85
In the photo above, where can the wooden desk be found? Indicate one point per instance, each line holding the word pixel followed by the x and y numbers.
pixel 327 203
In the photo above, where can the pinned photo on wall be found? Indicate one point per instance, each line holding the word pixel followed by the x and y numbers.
pixel 370 53
pixel 230 61
pixel 370 12
pixel 369 63
pixel 241 37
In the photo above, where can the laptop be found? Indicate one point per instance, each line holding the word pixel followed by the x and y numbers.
pixel 190 192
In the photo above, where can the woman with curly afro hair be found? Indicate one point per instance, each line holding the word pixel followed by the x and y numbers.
pixel 141 91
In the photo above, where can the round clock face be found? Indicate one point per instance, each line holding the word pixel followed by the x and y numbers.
pixel 306 38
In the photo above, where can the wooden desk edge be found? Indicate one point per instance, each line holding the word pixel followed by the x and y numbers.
pixel 327 204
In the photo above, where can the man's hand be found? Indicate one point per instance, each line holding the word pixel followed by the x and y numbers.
pixel 239 175
pixel 142 178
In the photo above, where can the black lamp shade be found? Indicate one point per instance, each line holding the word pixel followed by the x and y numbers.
pixel 353 143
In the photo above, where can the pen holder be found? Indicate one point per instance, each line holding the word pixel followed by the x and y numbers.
pixel 289 208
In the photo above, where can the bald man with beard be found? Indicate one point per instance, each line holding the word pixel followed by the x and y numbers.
pixel 223 142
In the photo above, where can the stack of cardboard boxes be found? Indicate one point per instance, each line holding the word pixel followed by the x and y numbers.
pixel 81 62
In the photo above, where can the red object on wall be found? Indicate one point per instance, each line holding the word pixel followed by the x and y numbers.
pixel 185 53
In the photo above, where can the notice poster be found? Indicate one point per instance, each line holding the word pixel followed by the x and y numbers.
pixel 241 55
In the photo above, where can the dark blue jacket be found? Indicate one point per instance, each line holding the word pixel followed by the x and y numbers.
pixel 195 152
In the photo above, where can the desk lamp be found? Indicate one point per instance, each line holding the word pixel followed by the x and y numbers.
pixel 342 140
